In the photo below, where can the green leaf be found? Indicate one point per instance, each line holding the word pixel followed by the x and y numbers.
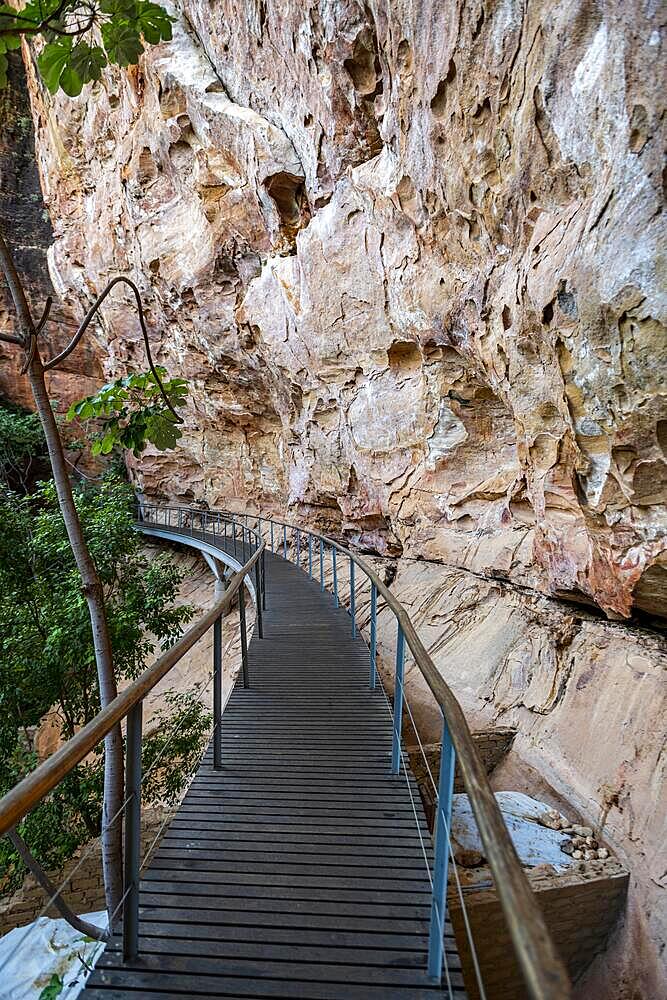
pixel 162 432
pixel 88 61
pixel 9 42
pixel 8 21
pixel 71 82
pixel 107 443
pixel 119 8
pixel 153 22
pixel 53 990
pixel 122 43
pixel 52 61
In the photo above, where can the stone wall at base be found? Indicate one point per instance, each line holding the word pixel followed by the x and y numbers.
pixel 581 909
pixel 492 745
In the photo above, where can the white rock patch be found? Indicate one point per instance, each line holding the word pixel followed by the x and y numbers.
pixel 30 956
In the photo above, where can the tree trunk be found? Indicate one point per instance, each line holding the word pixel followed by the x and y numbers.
pixel 112 857
pixel 112 852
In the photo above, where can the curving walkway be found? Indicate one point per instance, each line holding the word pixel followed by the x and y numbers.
pixel 298 869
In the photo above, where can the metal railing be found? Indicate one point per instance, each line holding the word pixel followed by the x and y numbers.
pixel 226 532
pixel 29 792
pixel 543 970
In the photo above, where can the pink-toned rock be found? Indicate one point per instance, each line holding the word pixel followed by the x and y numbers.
pixel 409 258
pixel 410 266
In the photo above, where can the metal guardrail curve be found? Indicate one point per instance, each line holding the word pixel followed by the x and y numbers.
pixel 542 968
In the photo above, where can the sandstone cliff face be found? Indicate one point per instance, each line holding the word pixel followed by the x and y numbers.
pixel 409 256
pixel 27 227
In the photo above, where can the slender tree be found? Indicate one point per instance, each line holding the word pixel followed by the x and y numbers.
pixel 27 339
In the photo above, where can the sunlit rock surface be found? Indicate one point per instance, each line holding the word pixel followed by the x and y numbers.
pixel 409 257
pixel 411 263
pixel 27 228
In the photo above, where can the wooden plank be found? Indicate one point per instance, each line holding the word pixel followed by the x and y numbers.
pixel 249 969
pixel 232 935
pixel 299 868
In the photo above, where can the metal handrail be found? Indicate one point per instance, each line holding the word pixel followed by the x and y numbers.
pixel 543 970
pixel 30 791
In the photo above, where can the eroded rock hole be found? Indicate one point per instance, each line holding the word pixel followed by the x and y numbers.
pixel 567 303
pixel 147 170
pixel 638 128
pixel 439 99
pixel 288 194
pixel 404 356
pixel 363 66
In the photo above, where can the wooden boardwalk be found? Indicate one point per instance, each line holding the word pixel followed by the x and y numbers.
pixel 298 869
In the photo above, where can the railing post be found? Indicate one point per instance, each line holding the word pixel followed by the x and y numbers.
pixel 310 556
pixel 441 860
pixel 298 548
pixel 258 601
pixel 373 664
pixel 398 702
pixel 273 549
pixel 132 860
pixel 321 565
pixel 352 599
pixel 234 537
pixel 284 541
pixel 263 580
pixel 335 576
pixel 244 636
pixel 217 693
pixel 259 529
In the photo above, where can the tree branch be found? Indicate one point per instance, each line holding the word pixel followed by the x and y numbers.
pixel 26 325
pixel 45 314
pixel 30 353
pixel 142 321
pixel 36 870
pixel 10 339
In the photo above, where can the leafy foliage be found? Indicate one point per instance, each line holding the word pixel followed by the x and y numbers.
pixel 22 446
pixel 133 413
pixel 47 663
pixel 54 988
pixel 71 32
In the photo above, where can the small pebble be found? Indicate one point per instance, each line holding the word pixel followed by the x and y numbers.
pixel 590 855
pixel 577 855
pixel 603 853
pixel 567 847
pixel 583 831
